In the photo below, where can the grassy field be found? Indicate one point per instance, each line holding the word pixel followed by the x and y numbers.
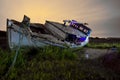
pixel 54 63
pixel 102 45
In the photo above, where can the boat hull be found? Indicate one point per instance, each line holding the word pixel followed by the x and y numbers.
pixel 18 35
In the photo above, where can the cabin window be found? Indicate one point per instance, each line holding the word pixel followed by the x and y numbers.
pixel 85 30
pixel 80 28
pixel 76 26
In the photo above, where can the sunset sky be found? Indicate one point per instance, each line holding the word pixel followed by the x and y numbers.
pixel 103 16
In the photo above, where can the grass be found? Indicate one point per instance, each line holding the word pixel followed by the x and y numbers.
pixel 103 45
pixel 52 63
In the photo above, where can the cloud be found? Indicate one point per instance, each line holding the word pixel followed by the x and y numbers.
pixel 103 16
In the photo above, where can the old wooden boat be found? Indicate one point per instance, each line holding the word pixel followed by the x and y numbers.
pixel 68 34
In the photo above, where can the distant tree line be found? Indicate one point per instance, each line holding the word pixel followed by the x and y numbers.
pixel 104 40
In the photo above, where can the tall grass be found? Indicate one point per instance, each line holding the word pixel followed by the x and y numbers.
pixel 51 53
pixel 51 63
pixel 32 55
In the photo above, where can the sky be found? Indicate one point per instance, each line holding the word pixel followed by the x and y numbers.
pixel 103 16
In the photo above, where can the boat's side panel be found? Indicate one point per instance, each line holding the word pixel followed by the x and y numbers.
pixel 16 37
pixel 55 31
pixel 69 29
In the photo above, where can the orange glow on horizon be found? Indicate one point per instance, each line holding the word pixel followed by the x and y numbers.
pixel 94 12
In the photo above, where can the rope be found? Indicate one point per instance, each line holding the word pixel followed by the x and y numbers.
pixel 16 54
pixel 17 51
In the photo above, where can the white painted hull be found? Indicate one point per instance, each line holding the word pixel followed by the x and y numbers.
pixel 15 39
